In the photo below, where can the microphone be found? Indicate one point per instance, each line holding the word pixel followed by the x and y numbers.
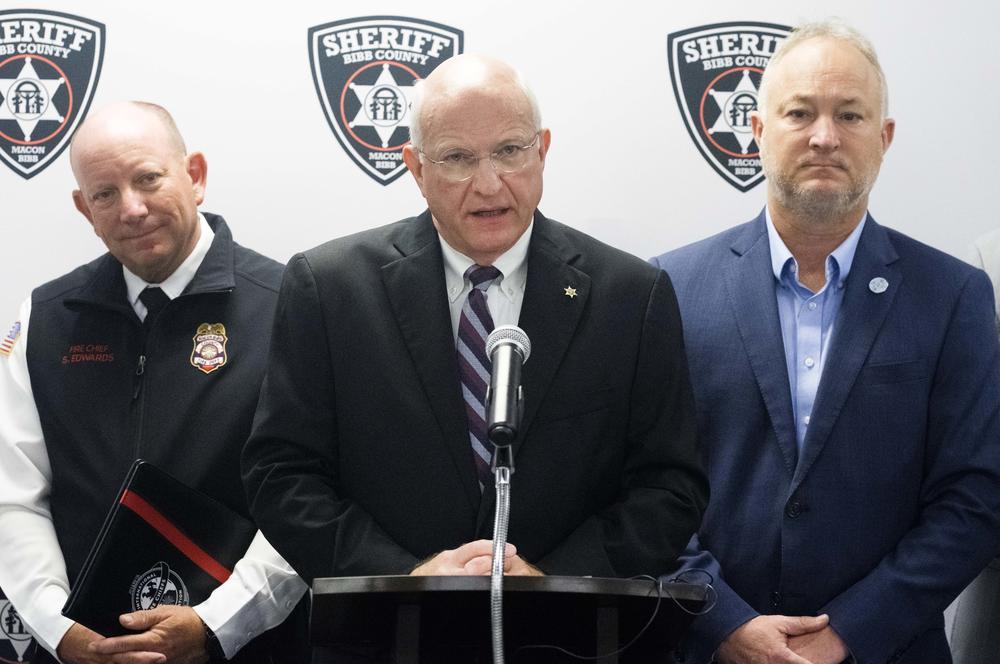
pixel 508 348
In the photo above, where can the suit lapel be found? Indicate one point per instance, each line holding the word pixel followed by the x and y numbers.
pixel 549 317
pixel 416 290
pixel 750 282
pixel 861 316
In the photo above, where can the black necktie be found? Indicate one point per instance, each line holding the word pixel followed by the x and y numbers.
pixel 154 299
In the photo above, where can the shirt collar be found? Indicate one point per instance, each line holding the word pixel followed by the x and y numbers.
pixel 513 264
pixel 175 284
pixel 839 261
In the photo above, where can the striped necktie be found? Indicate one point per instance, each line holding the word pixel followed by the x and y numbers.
pixel 474 366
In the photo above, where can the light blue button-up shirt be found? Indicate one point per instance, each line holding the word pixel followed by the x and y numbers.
pixel 808 319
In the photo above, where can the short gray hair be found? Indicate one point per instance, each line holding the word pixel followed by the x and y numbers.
pixel 833 29
pixel 417 98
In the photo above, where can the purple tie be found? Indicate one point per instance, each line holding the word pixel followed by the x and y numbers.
pixel 474 367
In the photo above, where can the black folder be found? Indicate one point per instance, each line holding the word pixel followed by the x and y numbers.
pixel 162 543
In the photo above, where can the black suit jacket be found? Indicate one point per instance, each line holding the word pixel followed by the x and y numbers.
pixel 359 462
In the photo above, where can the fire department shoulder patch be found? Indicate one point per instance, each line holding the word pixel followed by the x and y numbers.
pixel 364 70
pixel 715 71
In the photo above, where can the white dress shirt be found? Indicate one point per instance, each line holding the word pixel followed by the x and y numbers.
pixel 175 284
pixel 505 294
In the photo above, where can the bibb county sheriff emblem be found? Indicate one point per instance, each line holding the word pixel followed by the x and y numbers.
pixel 16 643
pixel 364 70
pixel 715 71
pixel 49 66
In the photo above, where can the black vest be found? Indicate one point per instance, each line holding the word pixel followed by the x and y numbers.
pixel 181 396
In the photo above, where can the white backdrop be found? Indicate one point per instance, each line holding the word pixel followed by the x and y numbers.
pixel 622 166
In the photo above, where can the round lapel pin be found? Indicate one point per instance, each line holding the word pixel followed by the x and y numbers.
pixel 878 285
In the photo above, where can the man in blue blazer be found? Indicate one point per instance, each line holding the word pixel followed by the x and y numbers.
pixel 846 380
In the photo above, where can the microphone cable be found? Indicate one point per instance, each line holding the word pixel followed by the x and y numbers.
pixel 662 590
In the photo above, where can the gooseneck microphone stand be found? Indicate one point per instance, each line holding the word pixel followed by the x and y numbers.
pixel 508 348
pixel 503 468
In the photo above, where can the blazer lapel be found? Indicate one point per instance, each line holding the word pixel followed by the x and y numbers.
pixel 415 287
pixel 861 316
pixel 750 282
pixel 549 317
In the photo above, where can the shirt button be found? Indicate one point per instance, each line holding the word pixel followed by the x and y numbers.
pixel 809 362
pixel 806 420
pixel 812 306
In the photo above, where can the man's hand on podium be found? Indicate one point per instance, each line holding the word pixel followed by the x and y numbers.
pixel 521 567
pixel 474 559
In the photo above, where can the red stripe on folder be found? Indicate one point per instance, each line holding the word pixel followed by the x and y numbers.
pixel 182 542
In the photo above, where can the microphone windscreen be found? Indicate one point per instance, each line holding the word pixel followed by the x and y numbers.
pixel 511 334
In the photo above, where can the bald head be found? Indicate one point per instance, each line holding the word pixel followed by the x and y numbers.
pixel 462 75
pixel 138 187
pixel 477 153
pixel 124 119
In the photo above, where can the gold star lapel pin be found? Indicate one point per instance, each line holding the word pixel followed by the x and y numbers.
pixel 570 292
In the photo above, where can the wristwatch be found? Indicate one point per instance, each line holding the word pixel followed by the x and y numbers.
pixel 212 646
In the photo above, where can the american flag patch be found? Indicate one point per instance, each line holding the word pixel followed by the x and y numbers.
pixel 7 343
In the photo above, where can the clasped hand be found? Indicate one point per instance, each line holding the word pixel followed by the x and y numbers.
pixel 165 635
pixel 474 559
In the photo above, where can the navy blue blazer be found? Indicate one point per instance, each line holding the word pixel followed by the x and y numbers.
pixel 893 506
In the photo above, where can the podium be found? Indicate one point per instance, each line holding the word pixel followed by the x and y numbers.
pixel 420 619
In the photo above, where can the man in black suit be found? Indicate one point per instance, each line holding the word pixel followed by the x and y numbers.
pixel 366 457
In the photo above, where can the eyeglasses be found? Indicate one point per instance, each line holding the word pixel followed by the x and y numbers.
pixel 460 165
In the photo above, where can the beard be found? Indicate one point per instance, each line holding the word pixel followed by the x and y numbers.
pixel 817 204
